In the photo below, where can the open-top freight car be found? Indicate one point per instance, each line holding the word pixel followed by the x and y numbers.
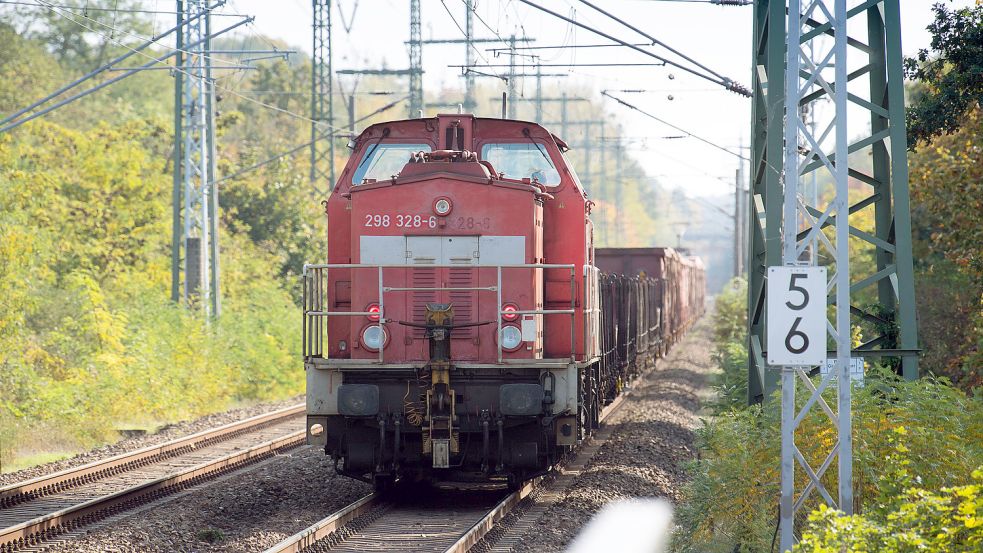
pixel 679 286
pixel 460 329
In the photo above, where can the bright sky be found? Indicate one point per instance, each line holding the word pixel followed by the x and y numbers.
pixel 717 36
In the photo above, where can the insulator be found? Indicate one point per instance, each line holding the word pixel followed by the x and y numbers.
pixel 737 87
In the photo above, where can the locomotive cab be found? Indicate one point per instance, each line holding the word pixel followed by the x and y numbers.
pixel 452 332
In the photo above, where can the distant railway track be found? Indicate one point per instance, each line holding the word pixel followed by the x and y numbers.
pixel 38 509
pixel 376 523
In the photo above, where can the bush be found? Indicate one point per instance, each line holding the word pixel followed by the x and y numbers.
pixel 730 346
pixel 90 340
pixel 905 516
pixel 731 502
pixel 733 496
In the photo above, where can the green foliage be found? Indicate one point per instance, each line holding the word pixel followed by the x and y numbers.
pixel 731 502
pixel 89 337
pixel 88 334
pixel 732 498
pixel 947 191
pixel 905 516
pixel 947 203
pixel 951 70
pixel 730 345
pixel 27 70
pixel 950 326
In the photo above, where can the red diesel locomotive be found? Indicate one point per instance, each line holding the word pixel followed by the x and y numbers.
pixel 460 329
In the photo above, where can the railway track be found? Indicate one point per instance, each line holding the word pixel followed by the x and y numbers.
pixel 38 509
pixel 431 523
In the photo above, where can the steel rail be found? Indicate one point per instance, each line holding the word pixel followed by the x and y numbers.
pixel 337 521
pixel 19 492
pixel 506 505
pixel 325 527
pixel 38 529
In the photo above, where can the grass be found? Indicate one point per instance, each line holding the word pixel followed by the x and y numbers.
pixel 33 459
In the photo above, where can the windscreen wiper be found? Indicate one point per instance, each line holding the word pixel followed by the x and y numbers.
pixel 368 156
pixel 525 132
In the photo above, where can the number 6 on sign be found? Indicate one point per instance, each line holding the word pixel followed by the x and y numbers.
pixel 796 316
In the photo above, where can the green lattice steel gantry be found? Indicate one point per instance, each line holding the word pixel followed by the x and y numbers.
pixel 322 175
pixel 883 300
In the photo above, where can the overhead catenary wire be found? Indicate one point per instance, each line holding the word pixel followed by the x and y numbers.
pixel 655 41
pixel 565 46
pixel 726 83
pixel 94 72
pixel 154 60
pixel 296 149
pixel 493 65
pixel 463 32
pixel 664 122
pixel 100 9
pixel 11 124
pixel 114 29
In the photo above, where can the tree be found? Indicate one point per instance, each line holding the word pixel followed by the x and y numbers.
pixel 951 72
pixel 82 36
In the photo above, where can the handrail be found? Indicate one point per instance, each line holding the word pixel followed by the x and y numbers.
pixel 314 291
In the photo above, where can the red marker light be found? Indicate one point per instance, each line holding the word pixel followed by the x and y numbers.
pixel 374 308
pixel 509 312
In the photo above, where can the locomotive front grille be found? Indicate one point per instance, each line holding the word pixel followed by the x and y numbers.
pixel 422 278
pixel 462 300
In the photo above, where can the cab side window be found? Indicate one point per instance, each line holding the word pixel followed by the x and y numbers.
pixel 522 160
pixel 382 161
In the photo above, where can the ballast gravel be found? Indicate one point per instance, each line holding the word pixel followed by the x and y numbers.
pixel 248 510
pixel 163 434
pixel 652 437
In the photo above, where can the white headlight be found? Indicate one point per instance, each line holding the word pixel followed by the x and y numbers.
pixel 374 337
pixel 510 337
pixel 442 206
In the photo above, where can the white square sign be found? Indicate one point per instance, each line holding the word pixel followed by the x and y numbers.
pixel 796 314
pixel 856 370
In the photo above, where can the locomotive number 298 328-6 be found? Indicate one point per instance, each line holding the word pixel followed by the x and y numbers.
pixel 402 221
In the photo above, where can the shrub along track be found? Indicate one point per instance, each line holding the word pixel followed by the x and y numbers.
pixel 39 509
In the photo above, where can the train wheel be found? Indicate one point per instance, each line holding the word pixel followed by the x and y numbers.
pixel 513 482
pixel 383 483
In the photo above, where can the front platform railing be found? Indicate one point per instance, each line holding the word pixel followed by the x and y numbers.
pixel 317 310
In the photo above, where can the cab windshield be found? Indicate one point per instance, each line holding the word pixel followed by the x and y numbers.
pixel 382 161
pixel 522 160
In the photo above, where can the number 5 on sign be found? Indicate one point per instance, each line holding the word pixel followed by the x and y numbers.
pixel 796 316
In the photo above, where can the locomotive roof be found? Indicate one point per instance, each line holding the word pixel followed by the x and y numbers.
pixel 519 123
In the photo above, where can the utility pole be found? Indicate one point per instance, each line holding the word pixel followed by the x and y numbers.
pixel 416 60
pixel 603 170
pixel 350 106
pixel 539 93
pixel 741 223
pixel 618 183
pixel 178 160
pixel 195 168
pixel 195 267
pixel 469 41
pixel 586 144
pixel 469 102
pixel 563 115
pixel 511 83
pixel 322 101
pixel 738 192
pixel 216 295
pixel 587 180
